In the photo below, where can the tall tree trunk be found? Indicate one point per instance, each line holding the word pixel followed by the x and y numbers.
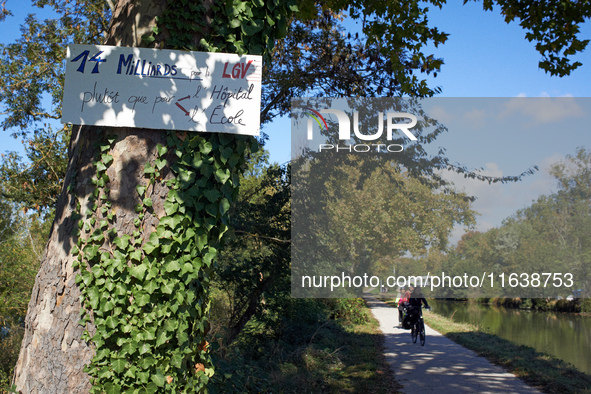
pixel 53 355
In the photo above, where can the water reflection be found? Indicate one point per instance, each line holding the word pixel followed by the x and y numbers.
pixel 563 335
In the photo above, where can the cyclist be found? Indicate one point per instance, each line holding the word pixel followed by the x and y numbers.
pixel 402 304
pixel 416 299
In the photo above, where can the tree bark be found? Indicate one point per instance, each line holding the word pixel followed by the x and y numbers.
pixel 53 355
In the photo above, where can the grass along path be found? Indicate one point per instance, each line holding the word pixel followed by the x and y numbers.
pixel 547 373
pixel 342 352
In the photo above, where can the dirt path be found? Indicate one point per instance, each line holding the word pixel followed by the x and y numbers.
pixel 441 365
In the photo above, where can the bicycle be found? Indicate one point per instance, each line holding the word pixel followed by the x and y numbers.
pixel 417 330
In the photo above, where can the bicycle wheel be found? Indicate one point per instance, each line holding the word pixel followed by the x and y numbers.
pixel 422 332
pixel 414 333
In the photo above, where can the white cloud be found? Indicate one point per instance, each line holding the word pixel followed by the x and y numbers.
pixel 476 118
pixel 542 110
pixel 439 113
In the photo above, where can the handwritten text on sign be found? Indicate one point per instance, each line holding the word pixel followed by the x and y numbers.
pixel 162 89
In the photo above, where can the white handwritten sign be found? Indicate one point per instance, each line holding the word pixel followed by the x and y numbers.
pixel 162 89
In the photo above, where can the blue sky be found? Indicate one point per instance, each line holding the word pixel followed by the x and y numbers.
pixel 484 57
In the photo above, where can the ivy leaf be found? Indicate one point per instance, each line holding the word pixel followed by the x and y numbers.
pixel 149 334
pixel 222 175
pixel 177 360
pixel 148 169
pixel 144 376
pixel 94 297
pixel 182 336
pixel 196 161
pixel 163 336
pixel 144 348
pixel 160 163
pixel 90 251
pixel 147 362
pixel 171 325
pixel 120 289
pixel 159 379
pixel 107 305
pixel 212 209
pixel 234 23
pixel 161 149
pixel 187 267
pixel 119 365
pixel 151 287
pixel 102 353
pixel 167 287
pixel 225 154
pixel 173 266
pixel 106 159
pixel 208 258
pixel 153 273
pixel 97 271
pixel 111 322
pixel 187 177
pixel 170 208
pixel 105 373
pixel 250 28
pixel 151 388
pixel 100 167
pixel 226 139
pixel 131 372
pixel 136 255
pixel 201 241
pixel 224 206
pixel 149 247
pixel 205 147
pixel 138 271
pixel 142 298
pixel 212 195
pixel 140 190
pixel 111 388
pixel 122 242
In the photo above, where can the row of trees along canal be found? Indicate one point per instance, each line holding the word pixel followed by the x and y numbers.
pixel 145 327
pixel 555 231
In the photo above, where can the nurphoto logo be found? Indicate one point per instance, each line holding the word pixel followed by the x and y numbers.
pixel 394 121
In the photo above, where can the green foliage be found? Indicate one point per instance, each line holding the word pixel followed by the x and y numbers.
pixel 349 309
pixel 37 183
pixel 319 57
pixel 552 235
pixel 20 255
pixel 304 350
pixel 554 26
pixel 236 27
pixel 22 239
pixel 395 49
pixel 357 215
pixel 254 267
pixel 149 303
pixel 10 343
pixel 31 67
pixel 31 90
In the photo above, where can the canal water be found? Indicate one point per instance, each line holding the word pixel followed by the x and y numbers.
pixel 564 335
